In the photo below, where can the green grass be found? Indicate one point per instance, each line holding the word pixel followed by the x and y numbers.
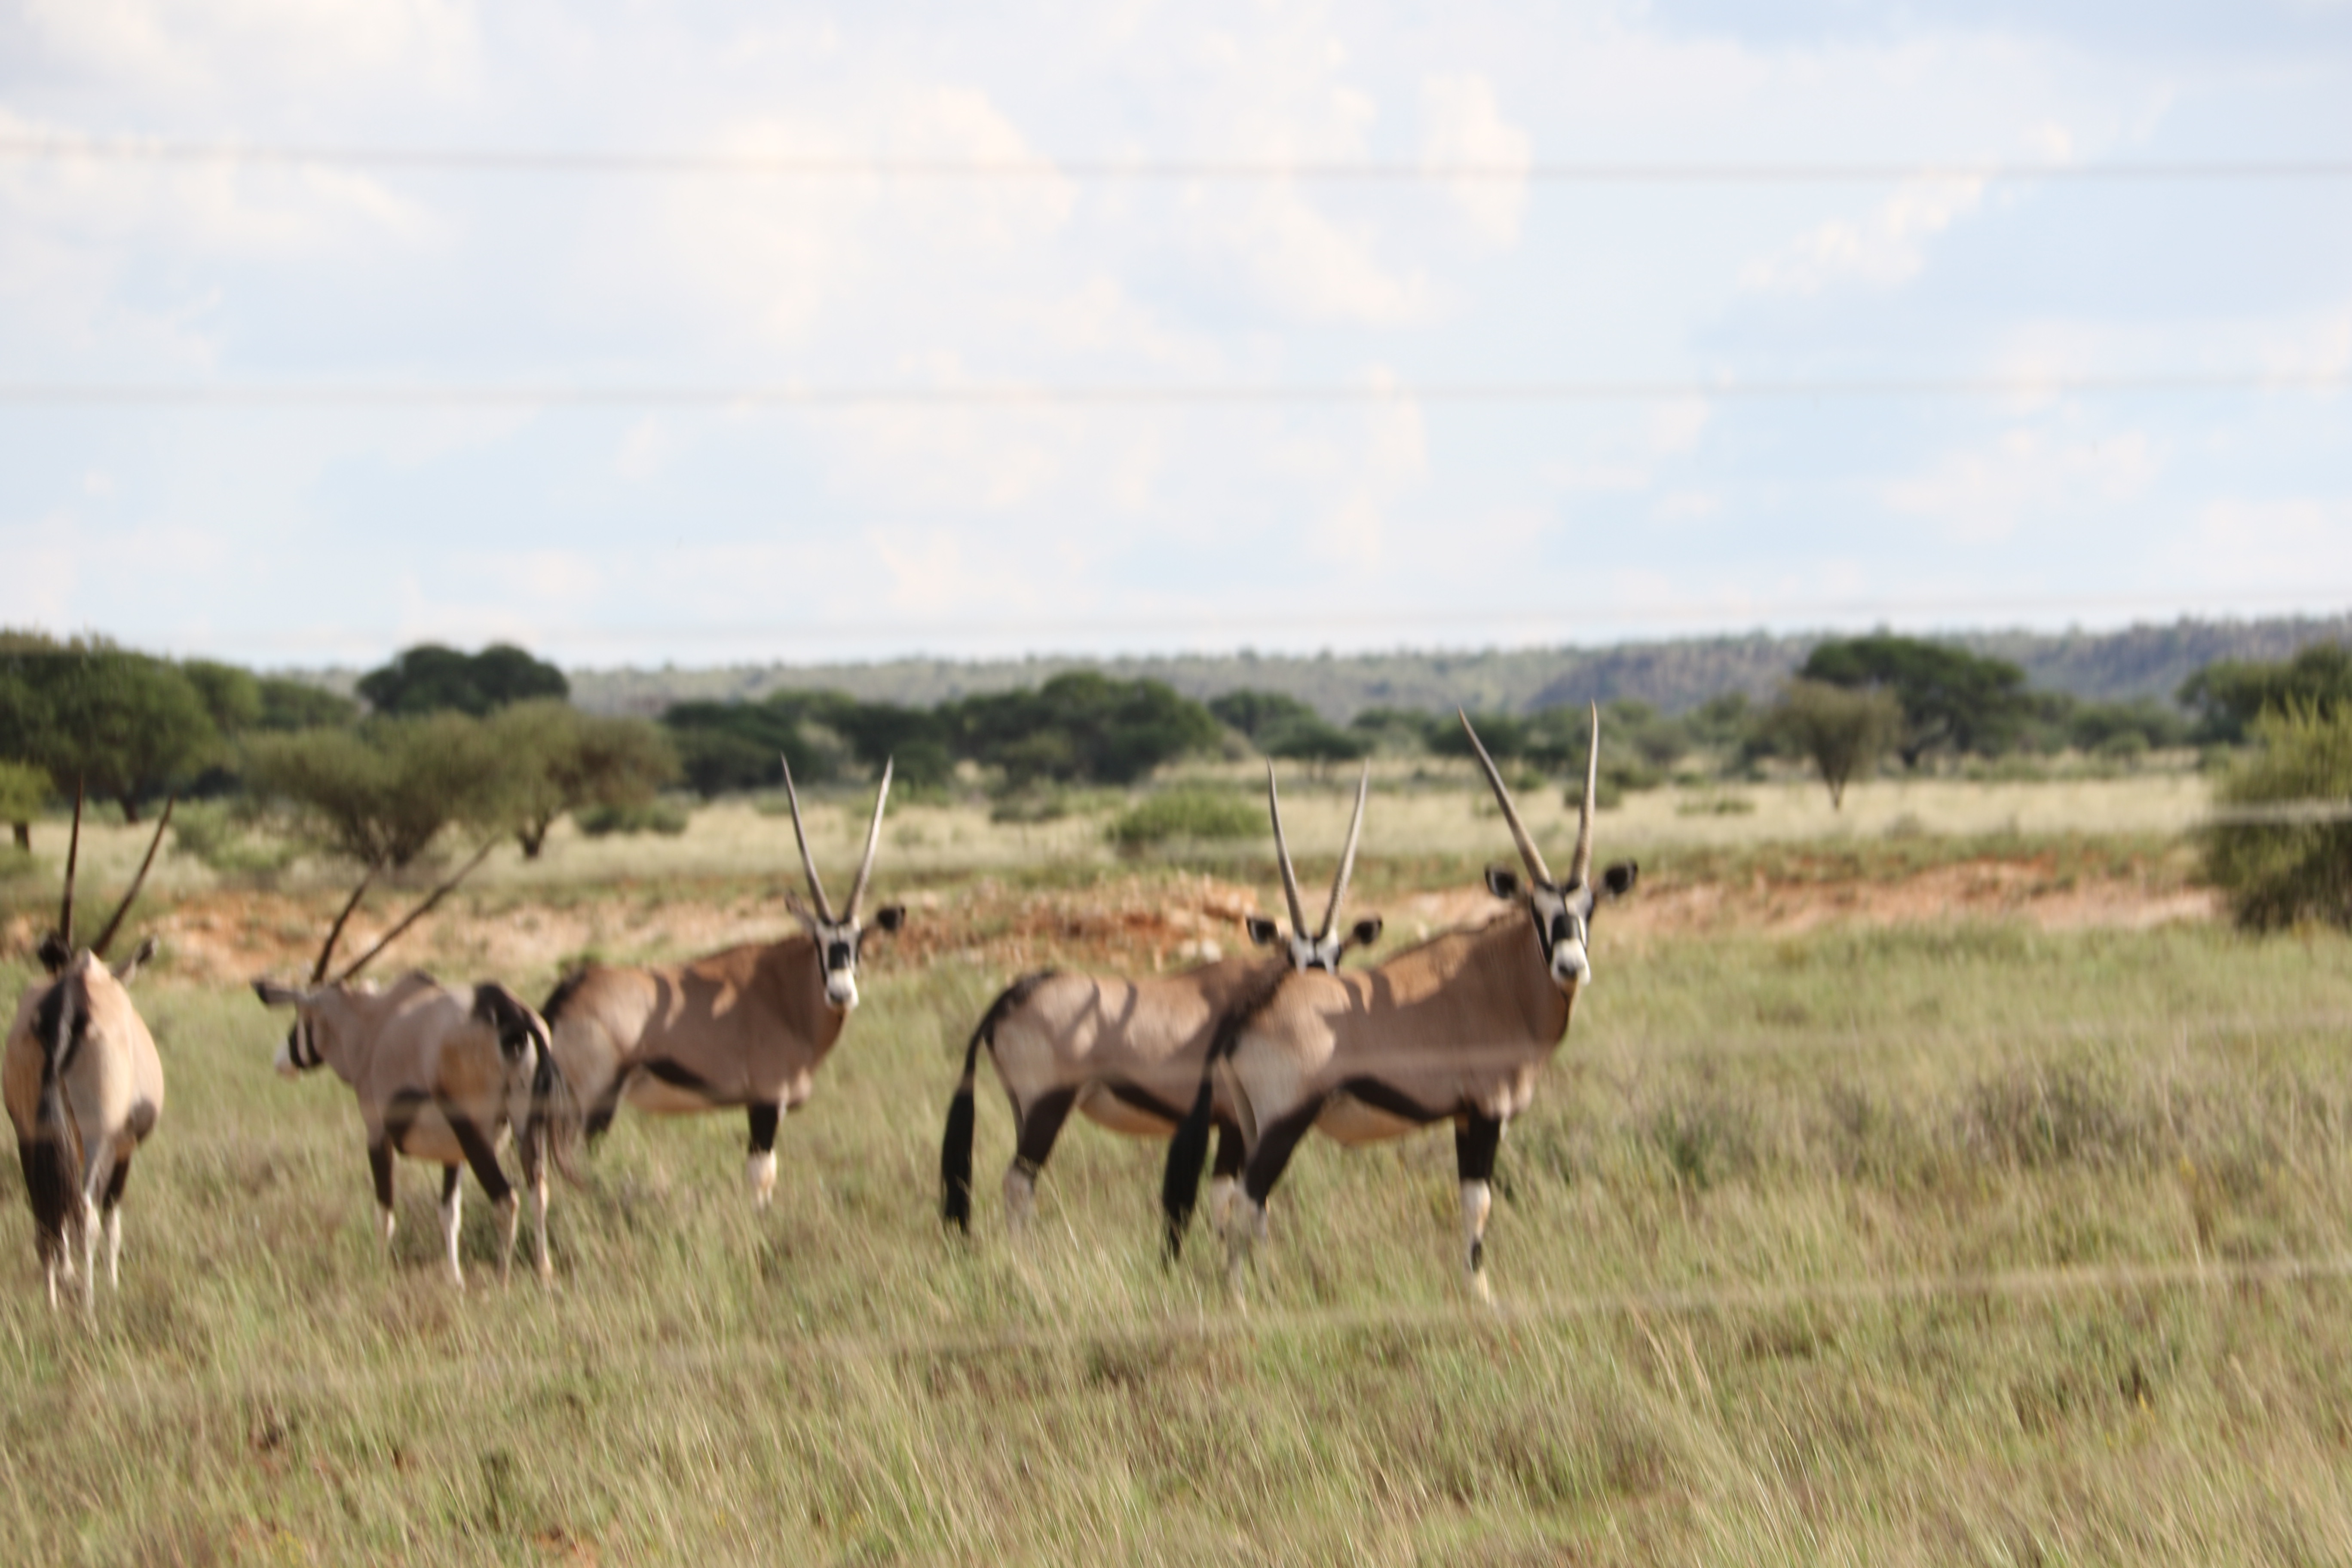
pixel 1961 1243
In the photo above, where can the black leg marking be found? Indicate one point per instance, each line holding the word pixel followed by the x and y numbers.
pixel 400 1117
pixel 1476 1139
pixel 1042 1125
pixel 1274 1144
pixel 601 1114
pixel 114 1183
pixel 482 1157
pixel 1231 1153
pixel 379 1166
pixel 450 1182
pixel 763 1128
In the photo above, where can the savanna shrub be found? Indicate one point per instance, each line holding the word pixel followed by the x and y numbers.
pixel 1181 814
pixel 2281 848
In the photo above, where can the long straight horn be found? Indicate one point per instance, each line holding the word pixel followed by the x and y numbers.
pixel 1582 864
pixel 419 913
pixel 114 922
pixel 1282 855
pixel 1528 850
pixel 319 970
pixel 873 837
pixel 1346 856
pixel 73 857
pixel 808 861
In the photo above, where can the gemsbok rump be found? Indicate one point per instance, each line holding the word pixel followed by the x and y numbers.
pixel 1126 1053
pixel 442 1074
pixel 84 1086
pixel 748 1026
pixel 1453 1030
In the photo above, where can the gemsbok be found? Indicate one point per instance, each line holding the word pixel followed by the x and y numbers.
pixel 442 1074
pixel 1126 1053
pixel 83 1086
pixel 748 1026
pixel 1454 1029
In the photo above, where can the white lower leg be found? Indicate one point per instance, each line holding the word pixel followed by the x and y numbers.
pixel 539 1201
pixel 1477 1202
pixel 385 1223
pixel 1223 1191
pixel 760 1175
pixel 509 1210
pixel 1020 1196
pixel 1245 1226
pixel 91 1224
pixel 450 1207
pixel 114 1246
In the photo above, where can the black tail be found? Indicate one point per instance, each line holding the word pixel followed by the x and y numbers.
pixel 955 1148
pixel 52 1155
pixel 1180 1189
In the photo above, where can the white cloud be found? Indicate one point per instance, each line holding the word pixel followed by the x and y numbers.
pixel 1983 496
pixel 1462 125
pixel 2278 545
pixel 232 46
pixel 1885 247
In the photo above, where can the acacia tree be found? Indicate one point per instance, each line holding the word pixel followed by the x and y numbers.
pixel 1843 731
pixel 127 725
pixel 23 789
pixel 383 793
pixel 562 759
pixel 1951 698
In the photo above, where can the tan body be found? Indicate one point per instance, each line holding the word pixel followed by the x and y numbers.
pixel 442 1074
pixel 78 1042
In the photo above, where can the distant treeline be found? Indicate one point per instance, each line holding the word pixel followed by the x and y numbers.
pixel 1670 676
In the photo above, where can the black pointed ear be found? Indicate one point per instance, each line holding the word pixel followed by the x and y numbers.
pixel 1503 882
pixel 130 966
pixel 53 954
pixel 1262 930
pixel 890 917
pixel 1366 932
pixel 273 994
pixel 1618 880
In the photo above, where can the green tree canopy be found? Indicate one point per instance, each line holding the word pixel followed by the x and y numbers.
pixel 563 760
pixel 1253 712
pixel 2230 694
pixel 1843 730
pixel 1952 700
pixel 127 725
pixel 383 793
pixel 23 790
pixel 1080 726
pixel 429 679
pixel 2280 847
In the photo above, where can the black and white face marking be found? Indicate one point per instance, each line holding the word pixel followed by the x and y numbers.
pixel 838 946
pixel 1563 916
pixel 1314 952
pixel 299 1053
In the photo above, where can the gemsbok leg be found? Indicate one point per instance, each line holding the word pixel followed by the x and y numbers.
pixel 1276 1144
pixel 452 1202
pixel 759 1166
pixel 114 1220
pixel 1476 1139
pixel 1041 1124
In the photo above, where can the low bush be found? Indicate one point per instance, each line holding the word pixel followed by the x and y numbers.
pixel 666 817
pixel 2280 847
pixel 1184 814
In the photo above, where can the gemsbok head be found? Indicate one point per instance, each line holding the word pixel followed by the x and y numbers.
pixel 442 1074
pixel 748 1026
pixel 1127 1053
pixel 83 1084
pixel 1455 1029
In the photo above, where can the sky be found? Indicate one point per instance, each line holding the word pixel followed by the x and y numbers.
pixel 1115 348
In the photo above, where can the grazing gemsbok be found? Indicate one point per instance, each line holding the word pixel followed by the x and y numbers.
pixel 748 1026
pixel 442 1073
pixel 1127 1053
pixel 1454 1029
pixel 83 1086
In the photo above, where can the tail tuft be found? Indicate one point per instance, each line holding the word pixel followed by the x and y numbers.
pixel 1187 1153
pixel 955 1161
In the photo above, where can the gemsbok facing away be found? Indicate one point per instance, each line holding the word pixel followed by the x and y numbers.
pixel 1128 1053
pixel 83 1085
pixel 442 1073
pixel 747 1027
pixel 1453 1030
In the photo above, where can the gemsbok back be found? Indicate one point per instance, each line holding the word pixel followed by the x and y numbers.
pixel 1453 1030
pixel 1126 1053
pixel 84 1086
pixel 748 1026
pixel 442 1074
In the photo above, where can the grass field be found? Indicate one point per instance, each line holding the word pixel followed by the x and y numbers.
pixel 1940 1238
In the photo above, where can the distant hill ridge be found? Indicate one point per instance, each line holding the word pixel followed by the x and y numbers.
pixel 1673 676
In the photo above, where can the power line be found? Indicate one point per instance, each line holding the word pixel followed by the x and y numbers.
pixel 66 147
pixel 1010 395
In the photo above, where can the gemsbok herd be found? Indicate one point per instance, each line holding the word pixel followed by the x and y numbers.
pixel 1259 1049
